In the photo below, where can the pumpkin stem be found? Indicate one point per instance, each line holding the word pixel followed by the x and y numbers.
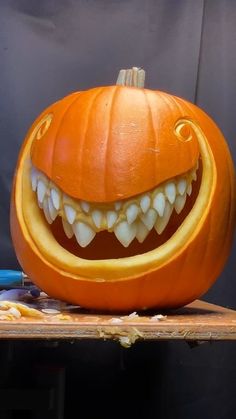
pixel 131 77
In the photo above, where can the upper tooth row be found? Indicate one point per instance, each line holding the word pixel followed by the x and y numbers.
pixel 54 203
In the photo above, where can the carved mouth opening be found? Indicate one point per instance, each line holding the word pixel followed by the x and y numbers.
pixel 121 229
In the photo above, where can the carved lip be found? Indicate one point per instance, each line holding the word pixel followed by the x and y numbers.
pixel 43 243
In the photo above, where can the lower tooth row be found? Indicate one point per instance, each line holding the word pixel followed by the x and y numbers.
pixel 123 231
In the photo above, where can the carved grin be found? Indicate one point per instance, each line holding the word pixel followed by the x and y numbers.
pixel 127 219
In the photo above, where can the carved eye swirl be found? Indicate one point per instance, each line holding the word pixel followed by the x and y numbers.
pixel 42 126
pixel 183 131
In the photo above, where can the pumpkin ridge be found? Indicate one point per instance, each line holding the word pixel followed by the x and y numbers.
pixel 108 145
pixel 85 133
pixel 176 102
pixel 180 108
pixel 231 221
pixel 193 109
pixel 154 136
pixel 58 130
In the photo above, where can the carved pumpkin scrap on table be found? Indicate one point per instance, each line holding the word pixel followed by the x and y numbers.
pixel 123 199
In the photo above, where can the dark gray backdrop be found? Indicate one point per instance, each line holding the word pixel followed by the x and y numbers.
pixel 50 48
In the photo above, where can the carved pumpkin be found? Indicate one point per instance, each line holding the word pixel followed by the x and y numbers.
pixel 123 199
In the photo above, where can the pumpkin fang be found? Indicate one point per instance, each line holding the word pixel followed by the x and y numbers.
pixel 128 219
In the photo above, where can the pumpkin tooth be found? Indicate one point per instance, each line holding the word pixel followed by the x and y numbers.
pixel 85 206
pixel 46 211
pixel 67 228
pixel 182 186
pixel 34 178
pixel 40 204
pixel 189 189
pixel 170 192
pixel 194 175
pixel 52 210
pixel 179 203
pixel 97 218
pixel 125 232
pixel 41 190
pixel 70 213
pixel 117 205
pixel 163 221
pixel 55 198
pixel 131 213
pixel 111 218
pixel 142 232
pixel 159 203
pixel 83 233
pixel 145 202
pixel 149 218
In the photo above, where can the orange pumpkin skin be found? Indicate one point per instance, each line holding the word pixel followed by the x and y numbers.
pixel 188 273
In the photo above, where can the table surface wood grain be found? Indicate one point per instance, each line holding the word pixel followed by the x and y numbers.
pixel 198 321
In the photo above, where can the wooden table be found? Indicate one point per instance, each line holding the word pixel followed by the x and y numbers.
pixel 199 321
